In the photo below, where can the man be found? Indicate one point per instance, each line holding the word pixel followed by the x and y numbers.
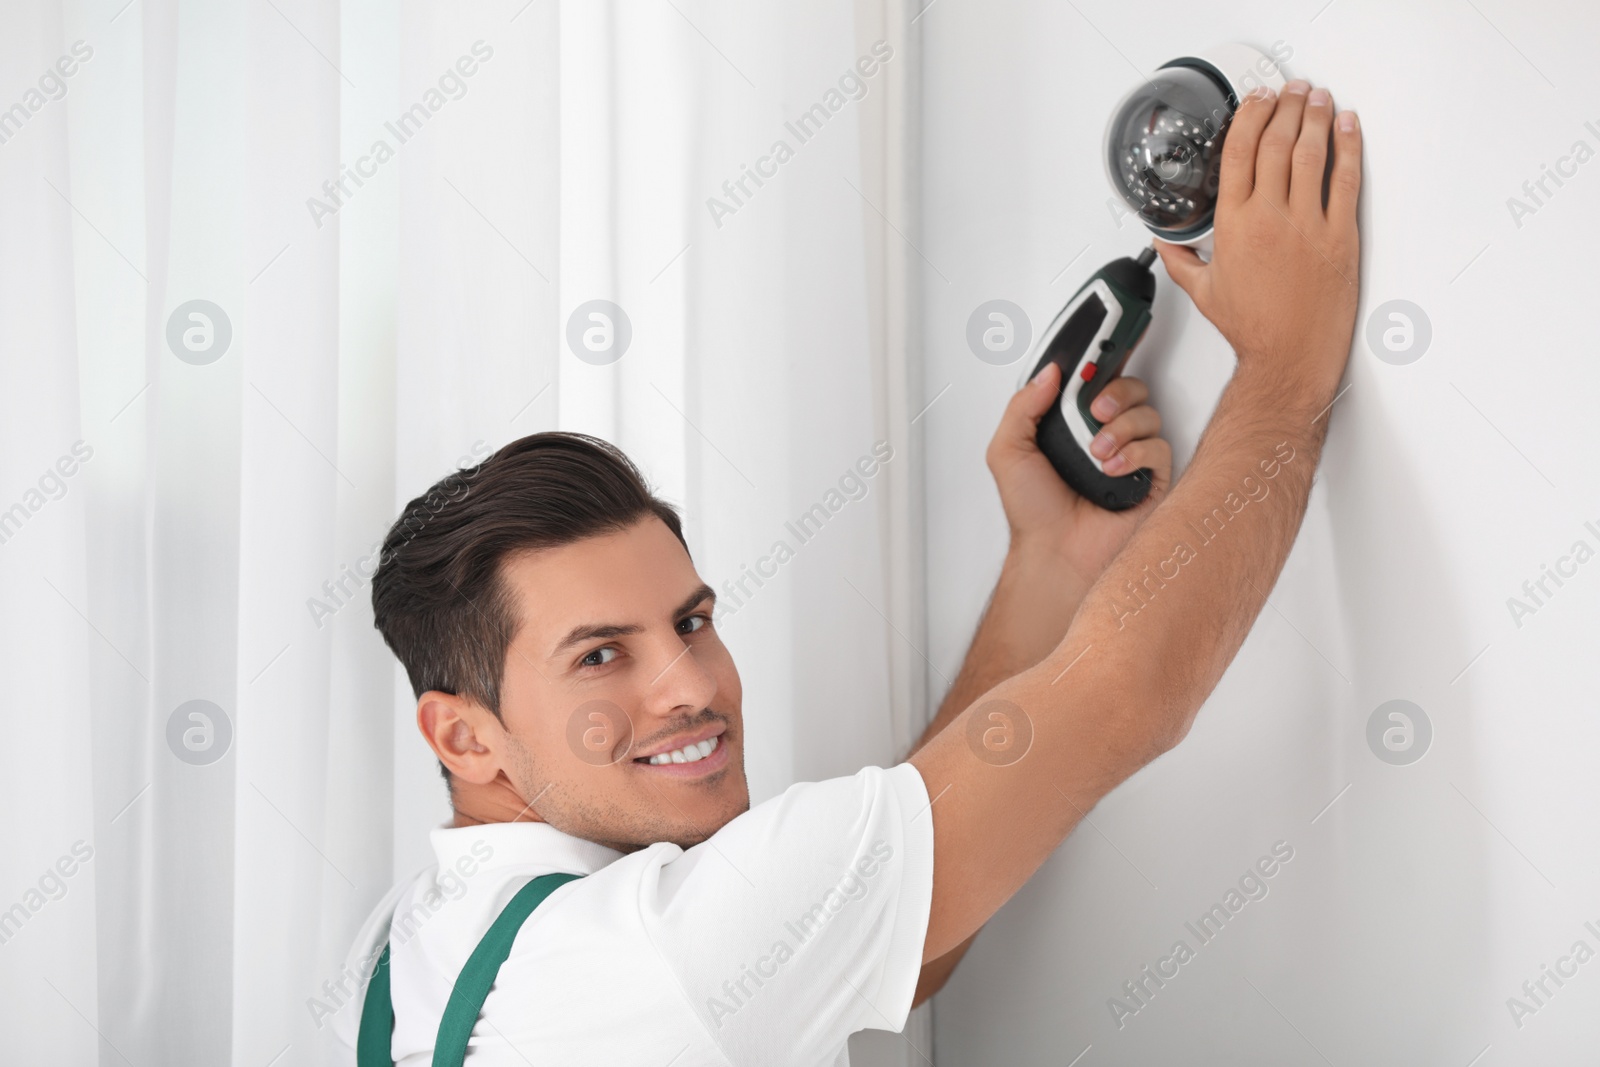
pixel 605 894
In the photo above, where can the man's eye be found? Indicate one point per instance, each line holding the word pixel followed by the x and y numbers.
pixel 592 660
pixel 693 622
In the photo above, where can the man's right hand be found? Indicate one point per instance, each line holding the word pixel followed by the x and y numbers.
pixel 1281 284
pixel 1157 629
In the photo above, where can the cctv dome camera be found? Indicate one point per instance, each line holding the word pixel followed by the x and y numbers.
pixel 1163 145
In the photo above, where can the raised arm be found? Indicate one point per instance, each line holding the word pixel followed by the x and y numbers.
pixel 1059 544
pixel 1156 630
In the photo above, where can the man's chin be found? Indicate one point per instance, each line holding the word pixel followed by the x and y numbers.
pixel 657 815
pixel 698 829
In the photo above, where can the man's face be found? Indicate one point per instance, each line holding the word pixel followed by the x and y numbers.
pixel 616 661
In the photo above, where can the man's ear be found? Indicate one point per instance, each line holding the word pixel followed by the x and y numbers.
pixel 453 726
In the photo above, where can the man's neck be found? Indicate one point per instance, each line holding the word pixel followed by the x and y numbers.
pixel 497 801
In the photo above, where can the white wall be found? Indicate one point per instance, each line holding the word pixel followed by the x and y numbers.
pixel 1426 894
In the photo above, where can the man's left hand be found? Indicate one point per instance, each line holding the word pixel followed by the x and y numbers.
pixel 1042 511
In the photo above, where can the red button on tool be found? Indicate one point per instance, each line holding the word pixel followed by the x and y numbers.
pixel 1088 371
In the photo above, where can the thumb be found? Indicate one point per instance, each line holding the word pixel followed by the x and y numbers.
pixel 1185 267
pixel 1031 402
pixel 1020 422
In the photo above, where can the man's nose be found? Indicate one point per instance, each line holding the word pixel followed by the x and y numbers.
pixel 680 683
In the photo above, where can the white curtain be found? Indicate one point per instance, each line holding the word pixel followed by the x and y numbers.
pixel 391 215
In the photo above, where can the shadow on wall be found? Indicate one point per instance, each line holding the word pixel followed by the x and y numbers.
pixel 1395 936
pixel 1368 944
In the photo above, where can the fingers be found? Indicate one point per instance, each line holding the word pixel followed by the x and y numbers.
pixel 1120 394
pixel 1344 186
pixel 1311 155
pixel 1133 425
pixel 1273 159
pixel 1185 267
pixel 1153 453
pixel 1238 178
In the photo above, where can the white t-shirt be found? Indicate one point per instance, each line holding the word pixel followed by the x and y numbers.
pixel 797 924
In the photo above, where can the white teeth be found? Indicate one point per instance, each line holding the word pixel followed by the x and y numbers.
pixel 686 754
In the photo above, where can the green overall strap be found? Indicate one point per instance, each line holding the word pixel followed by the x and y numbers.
pixel 470 991
pixel 472 987
pixel 377 1019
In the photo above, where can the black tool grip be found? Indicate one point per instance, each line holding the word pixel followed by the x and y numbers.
pixel 1075 342
pixel 1077 469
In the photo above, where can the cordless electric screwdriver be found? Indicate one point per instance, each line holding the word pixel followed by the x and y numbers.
pixel 1090 340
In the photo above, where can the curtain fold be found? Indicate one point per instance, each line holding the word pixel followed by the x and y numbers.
pixel 271 269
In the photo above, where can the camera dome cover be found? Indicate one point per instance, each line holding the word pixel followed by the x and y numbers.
pixel 1164 148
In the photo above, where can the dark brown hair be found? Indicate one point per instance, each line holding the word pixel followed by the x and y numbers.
pixel 438 597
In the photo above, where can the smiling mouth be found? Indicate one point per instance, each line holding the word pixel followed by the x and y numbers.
pixel 687 754
pixel 697 759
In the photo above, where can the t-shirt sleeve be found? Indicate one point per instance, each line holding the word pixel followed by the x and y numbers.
pixel 802 920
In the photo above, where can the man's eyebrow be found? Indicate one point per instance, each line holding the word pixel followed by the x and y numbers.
pixel 590 632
